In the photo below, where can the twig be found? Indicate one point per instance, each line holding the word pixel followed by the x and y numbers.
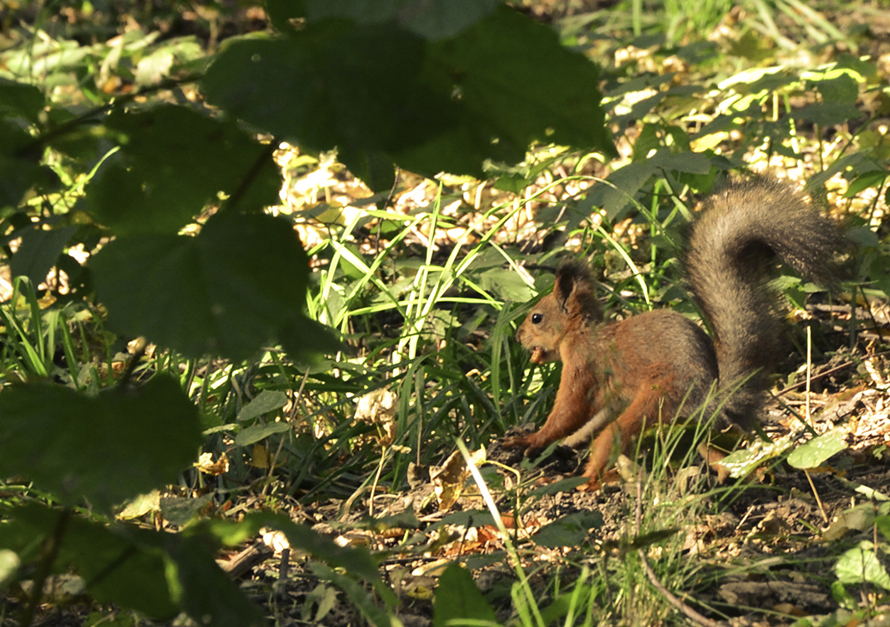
pixel 816 494
pixel 290 421
pixel 284 565
pixel 138 353
pixel 48 554
pixel 846 364
pixel 344 511
pixel 376 480
pixel 809 417
pixel 250 176
pixel 240 564
pixel 39 143
pixel 809 371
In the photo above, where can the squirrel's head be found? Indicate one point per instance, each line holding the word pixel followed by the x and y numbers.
pixel 571 305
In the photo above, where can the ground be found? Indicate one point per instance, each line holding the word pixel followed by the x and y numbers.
pixel 764 548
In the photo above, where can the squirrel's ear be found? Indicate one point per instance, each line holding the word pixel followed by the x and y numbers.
pixel 562 287
pixel 567 275
pixel 575 290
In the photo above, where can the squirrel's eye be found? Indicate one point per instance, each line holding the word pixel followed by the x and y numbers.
pixel 536 318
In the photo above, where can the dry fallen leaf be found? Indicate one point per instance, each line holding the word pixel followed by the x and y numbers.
pixel 449 478
pixel 206 464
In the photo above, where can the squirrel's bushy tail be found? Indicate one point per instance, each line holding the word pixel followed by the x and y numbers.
pixel 732 246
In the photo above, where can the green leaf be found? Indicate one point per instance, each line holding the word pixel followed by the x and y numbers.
pixel 116 568
pixel 828 113
pixel 171 55
pixel 9 564
pixel 565 603
pixel 816 451
pixel 380 94
pixel 354 562
pixel 282 12
pixel 491 65
pixel 156 573
pixel 200 588
pixel 760 80
pixel 140 506
pixel 19 164
pixel 103 449
pixel 846 601
pixel 744 461
pixel 181 510
pixel 226 291
pixel 19 99
pixel 864 180
pixel 332 86
pixel 258 432
pixel 840 88
pixel 458 598
pixel 687 162
pixel 861 565
pixel 304 339
pixel 855 519
pixel 208 592
pixel 434 19
pixel 505 285
pixel 625 183
pixel 883 525
pixel 570 530
pixel 267 401
pixel 43 58
pixel 172 163
pixel 38 252
pixel 357 594
pixel 563 485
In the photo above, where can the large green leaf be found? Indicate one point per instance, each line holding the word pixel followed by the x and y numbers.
pixel 114 567
pixel 19 163
pixel 39 252
pixel 256 433
pixel 156 573
pixel 19 99
pixel 335 85
pixel 570 530
pixel 518 85
pixel 817 451
pixel 103 449
pixel 305 339
pixel 378 92
pixel 172 162
pixel 355 563
pixel 431 19
pixel 226 291
pixel 203 591
pixel 860 565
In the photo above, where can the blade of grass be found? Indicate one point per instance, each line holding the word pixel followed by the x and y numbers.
pixel 524 598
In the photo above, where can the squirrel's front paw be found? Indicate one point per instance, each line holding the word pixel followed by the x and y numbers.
pixel 517 437
pixel 526 442
pixel 516 441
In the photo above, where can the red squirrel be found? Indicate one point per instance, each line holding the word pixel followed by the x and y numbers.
pixel 656 365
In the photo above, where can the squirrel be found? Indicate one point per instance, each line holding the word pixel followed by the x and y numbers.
pixel 619 376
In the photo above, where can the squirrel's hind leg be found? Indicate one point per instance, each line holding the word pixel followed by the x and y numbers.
pixel 647 408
